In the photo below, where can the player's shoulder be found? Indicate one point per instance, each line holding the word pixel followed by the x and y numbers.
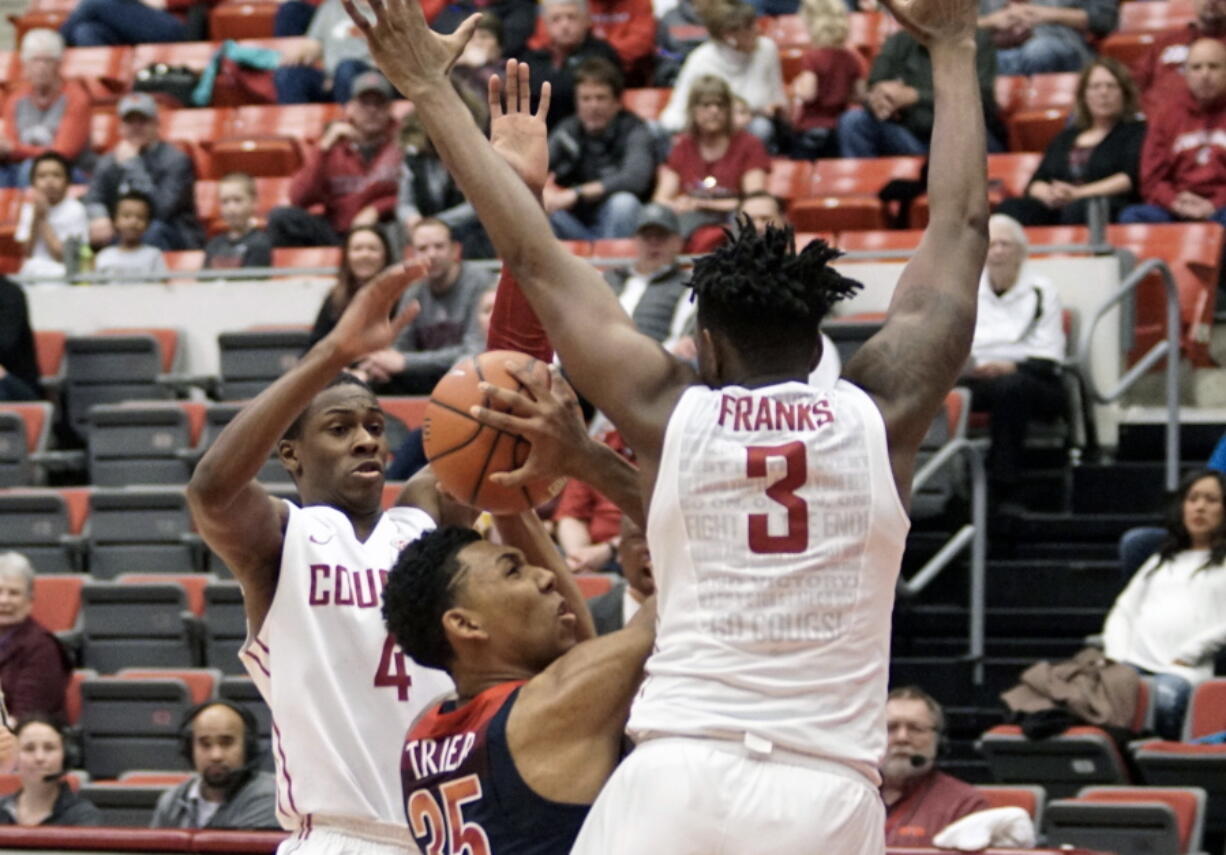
pixel 409 520
pixel 445 718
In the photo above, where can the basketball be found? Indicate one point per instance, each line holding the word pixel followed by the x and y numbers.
pixel 463 452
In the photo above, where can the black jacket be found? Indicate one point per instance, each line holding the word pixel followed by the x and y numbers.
pixel 69 809
pixel 16 346
pixel 1119 151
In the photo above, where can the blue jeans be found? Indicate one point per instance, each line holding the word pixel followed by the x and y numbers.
pixel 94 23
pixel 304 84
pixel 1171 694
pixel 861 134
pixel 1038 55
pixel 1157 214
pixel 615 217
pixel 293 18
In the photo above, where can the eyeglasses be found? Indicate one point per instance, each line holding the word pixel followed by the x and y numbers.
pixel 913 727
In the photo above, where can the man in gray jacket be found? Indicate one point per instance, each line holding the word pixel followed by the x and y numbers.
pixel 1039 36
pixel 653 289
pixel 221 742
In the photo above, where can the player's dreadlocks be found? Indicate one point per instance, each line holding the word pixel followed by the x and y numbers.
pixel 420 589
pixel 764 294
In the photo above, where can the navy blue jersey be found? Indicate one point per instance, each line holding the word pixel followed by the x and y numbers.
pixel 463 794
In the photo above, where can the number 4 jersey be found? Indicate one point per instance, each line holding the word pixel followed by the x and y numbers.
pixel 776 531
pixel 342 694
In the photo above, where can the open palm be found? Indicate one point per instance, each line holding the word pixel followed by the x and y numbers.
pixel 518 135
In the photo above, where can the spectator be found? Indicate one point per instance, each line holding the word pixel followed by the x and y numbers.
pixel 353 172
pixel 44 113
pixel 653 289
pixel 447 328
pixel 614 609
pixel 1099 155
pixel 131 257
pixel 34 667
pixel 365 254
pixel 748 62
pixel 1183 161
pixel 1159 74
pixel 919 800
pixel 481 60
pixel 94 23
pixel 1171 618
pixel 334 39
pixel 681 29
pixel 53 218
pixel 44 798
pixel 711 165
pixel 1016 354
pixel 762 209
pixel 896 118
pixel 143 162
pixel 832 75
pixel 241 244
pixel 587 523
pixel 601 158
pixel 18 359
pixel 517 17
pixel 227 791
pixel 570 42
pixel 630 28
pixel 1045 35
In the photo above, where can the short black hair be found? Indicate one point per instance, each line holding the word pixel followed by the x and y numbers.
pixel 598 70
pixel 138 196
pixel 419 591
pixel 294 431
pixel 766 297
pixel 53 156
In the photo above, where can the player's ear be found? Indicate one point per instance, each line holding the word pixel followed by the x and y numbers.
pixel 462 624
pixel 287 453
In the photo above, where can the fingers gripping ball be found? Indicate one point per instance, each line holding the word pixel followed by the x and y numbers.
pixel 463 453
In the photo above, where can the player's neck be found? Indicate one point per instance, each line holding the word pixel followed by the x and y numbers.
pixel 757 380
pixel 470 682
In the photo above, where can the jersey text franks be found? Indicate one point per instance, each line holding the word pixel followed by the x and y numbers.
pixel 745 412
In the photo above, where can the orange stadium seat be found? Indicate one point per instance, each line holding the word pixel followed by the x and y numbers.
pixel 208 201
pixel 1008 175
pixel 581 248
pixel 647 103
pixel 1128 48
pixel 76 503
pixel 411 410
pixel 884 239
pixel 72 694
pixel 201 682
pixel 32 19
pixel 1009 89
pixel 867 31
pixel 837 213
pixel 1155 16
pixel 24 429
pixel 304 122
pixel 270 193
pixel 152 777
pixel 49 348
pixel 792 61
pixel 1028 797
pixel 613 248
pixel 185 260
pixel 1041 236
pixel 593 585
pixel 262 157
pixel 57 600
pixel 851 176
pixel 103 131
pixel 229 20
pixel 1049 90
pixel 196 125
pixel 306 256
pixel 789 179
pixel 1032 130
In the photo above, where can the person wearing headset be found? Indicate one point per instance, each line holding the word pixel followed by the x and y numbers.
pixel 221 742
pixel 44 755
pixel 919 800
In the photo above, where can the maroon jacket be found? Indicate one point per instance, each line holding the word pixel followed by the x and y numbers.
pixel 346 183
pixel 1159 73
pixel 934 802
pixel 34 670
pixel 1185 149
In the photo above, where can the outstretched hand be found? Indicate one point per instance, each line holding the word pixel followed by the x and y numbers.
pixel 548 417
pixel 367 324
pixel 937 21
pixel 518 135
pixel 407 51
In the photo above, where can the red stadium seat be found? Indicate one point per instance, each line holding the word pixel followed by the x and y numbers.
pixel 1117 811
pixel 306 256
pixel 304 122
pixel 1128 48
pixel 646 103
pixel 852 176
pixel 271 193
pixel 186 260
pixel 1050 90
pixel 36 417
pixel 868 31
pixel 614 248
pixel 208 202
pixel 103 131
pixel 1032 130
pixel 229 20
pixel 789 179
pixel 1008 175
pixel 151 777
pixel 1155 16
pixel 409 409
pixel 1028 797
pixel 32 19
pixel 72 694
pixel 76 501
pixel 593 585
pixel 785 30
pixel 265 157
pixel 57 600
pixel 106 72
pixel 581 248
pixel 1041 236
pixel 195 126
pixel 1009 90
pixel 792 62
pixel 838 213
pixel 884 239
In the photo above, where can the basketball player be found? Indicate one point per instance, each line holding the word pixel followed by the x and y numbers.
pixel 776 510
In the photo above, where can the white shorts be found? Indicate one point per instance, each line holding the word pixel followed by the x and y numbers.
pixel 336 841
pixel 711 797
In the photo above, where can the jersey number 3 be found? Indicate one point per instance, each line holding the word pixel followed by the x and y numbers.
pixel 393 669
pixel 783 491
pixel 440 824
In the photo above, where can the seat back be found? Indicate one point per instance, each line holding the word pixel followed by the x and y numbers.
pixel 109 369
pixel 216 417
pixel 57 601
pixel 35 524
pixel 132 724
pixel 1029 797
pixel 132 624
pixel 140 531
pixel 140 443
pixel 225 626
pixel 1187 804
pixel 123 804
pixel 1206 710
pixel 252 359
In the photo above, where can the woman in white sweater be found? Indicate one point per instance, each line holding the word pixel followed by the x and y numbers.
pixel 1171 619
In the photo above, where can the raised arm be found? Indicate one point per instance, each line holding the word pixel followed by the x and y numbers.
pixel 627 375
pixel 913 362
pixel 235 515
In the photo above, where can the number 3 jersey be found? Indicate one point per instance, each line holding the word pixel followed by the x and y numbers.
pixel 342 693
pixel 463 794
pixel 776 531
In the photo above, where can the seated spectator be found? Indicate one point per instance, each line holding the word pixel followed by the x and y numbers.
pixel 143 162
pixel 762 209
pixel 735 53
pixel 1100 155
pixel 447 328
pixel 630 28
pixel 131 256
pixel 831 78
pixel 241 244
pixel 1046 35
pixel 481 60
pixel 1183 160
pixel 325 68
pixel 653 289
pixel 94 23
pixel 711 166
pixel 896 118
pixel 569 42
pixel 44 113
pixel 919 800
pixel 1159 74
pixel 18 358
pixel 1170 620
pixel 365 254
pixel 34 667
pixel 587 523
pixel 1016 354
pixel 44 798
pixel 601 158
pixel 614 609
pixel 681 29
pixel 517 17
pixel 54 218
pixel 227 791
pixel 353 172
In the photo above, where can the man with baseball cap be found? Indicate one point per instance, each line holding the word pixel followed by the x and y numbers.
pixel 653 289
pixel 143 162
pixel 353 171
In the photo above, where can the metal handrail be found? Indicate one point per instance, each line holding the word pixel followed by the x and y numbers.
pixel 1168 347
pixel 974 533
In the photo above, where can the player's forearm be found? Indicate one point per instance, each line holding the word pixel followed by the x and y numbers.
pixel 615 477
pixel 957 174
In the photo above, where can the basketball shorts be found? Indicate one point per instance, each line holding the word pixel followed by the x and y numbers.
pixel 336 841
pixel 713 797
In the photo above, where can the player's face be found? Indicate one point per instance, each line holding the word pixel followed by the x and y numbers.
pixel 910 732
pixel 526 619
pixel 596 105
pixel 51 180
pixel 217 745
pixel 237 206
pixel 15 600
pixel 340 456
pixel 566 25
pixel 1206 70
pixel 131 220
pixel 40 752
pixel 1202 511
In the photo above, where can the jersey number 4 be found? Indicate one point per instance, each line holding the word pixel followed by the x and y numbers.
pixel 393 669
pixel 443 826
pixel 783 491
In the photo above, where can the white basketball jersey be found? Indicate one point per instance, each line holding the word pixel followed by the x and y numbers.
pixel 342 693
pixel 776 532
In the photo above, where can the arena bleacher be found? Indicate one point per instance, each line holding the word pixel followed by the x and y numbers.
pixel 140 379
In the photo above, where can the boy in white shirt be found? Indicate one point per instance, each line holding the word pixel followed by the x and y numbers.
pixel 49 218
pixel 130 255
